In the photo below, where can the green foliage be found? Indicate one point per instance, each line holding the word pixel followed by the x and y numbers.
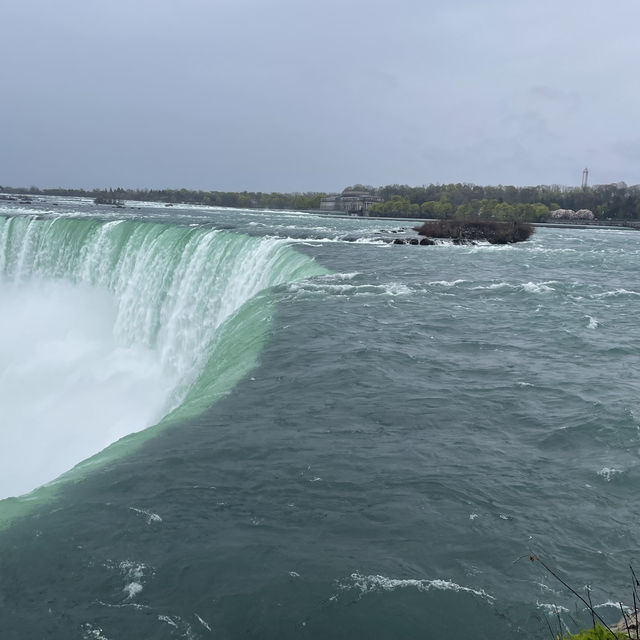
pixel 596 633
pixel 396 206
pixel 464 200
pixel 445 201
pixel 242 200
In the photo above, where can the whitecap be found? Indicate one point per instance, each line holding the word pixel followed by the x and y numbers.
pixel 552 609
pixel 495 285
pixel 168 620
pixel 447 283
pixel 93 633
pixel 617 292
pixel 322 286
pixel 371 583
pixel 132 589
pixel 533 287
pixel 615 605
pixel 202 622
pixel 608 472
pixel 133 573
pixel 340 276
pixel 150 516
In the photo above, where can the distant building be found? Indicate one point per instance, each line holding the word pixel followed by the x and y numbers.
pixel 356 203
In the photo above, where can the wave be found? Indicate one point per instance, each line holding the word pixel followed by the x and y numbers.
pixel 616 293
pixel 188 304
pixel 608 473
pixel 370 583
pixel 593 323
pixel 328 286
pixel 446 283
pixel 527 287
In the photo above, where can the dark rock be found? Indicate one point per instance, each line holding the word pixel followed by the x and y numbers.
pixel 470 231
pixel 627 624
pixel 427 242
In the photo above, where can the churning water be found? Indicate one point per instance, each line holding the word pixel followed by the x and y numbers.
pixel 322 438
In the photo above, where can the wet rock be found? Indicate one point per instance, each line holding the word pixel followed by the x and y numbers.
pixel 627 625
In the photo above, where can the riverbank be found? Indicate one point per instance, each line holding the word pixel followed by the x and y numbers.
pixel 596 224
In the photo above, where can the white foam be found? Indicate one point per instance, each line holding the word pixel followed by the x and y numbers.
pixel 533 287
pixel 446 283
pixel 593 323
pixel 615 605
pixel 124 605
pixel 168 621
pixel 608 472
pixel 202 622
pixel 527 287
pixel 614 293
pixel 340 276
pixel 323 286
pixel 150 516
pixel 93 633
pixel 133 572
pixel 552 609
pixel 132 589
pixel 368 584
pixel 313 241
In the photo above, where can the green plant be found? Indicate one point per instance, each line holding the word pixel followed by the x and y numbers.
pixel 626 629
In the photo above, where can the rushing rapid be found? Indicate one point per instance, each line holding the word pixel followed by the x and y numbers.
pixel 114 325
pixel 344 438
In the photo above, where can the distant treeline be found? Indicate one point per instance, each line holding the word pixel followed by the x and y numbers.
pixel 462 200
pixel 243 199
pixel 615 201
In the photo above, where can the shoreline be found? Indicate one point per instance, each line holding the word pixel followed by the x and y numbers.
pixel 632 225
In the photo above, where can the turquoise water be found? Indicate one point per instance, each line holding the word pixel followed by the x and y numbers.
pixel 376 437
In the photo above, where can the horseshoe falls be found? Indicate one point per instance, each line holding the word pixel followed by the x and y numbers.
pixel 267 424
pixel 115 325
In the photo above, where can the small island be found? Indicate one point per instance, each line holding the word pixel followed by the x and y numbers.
pixel 471 231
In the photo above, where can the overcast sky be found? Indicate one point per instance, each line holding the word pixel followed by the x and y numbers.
pixel 314 95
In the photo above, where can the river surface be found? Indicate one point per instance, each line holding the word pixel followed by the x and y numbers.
pixel 310 433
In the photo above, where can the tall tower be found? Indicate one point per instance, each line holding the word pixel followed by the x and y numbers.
pixel 585 178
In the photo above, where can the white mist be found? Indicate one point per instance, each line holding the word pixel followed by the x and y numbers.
pixel 67 389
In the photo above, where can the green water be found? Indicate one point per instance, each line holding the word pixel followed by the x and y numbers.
pixel 403 424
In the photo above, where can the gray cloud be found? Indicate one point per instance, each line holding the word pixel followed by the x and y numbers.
pixel 302 95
